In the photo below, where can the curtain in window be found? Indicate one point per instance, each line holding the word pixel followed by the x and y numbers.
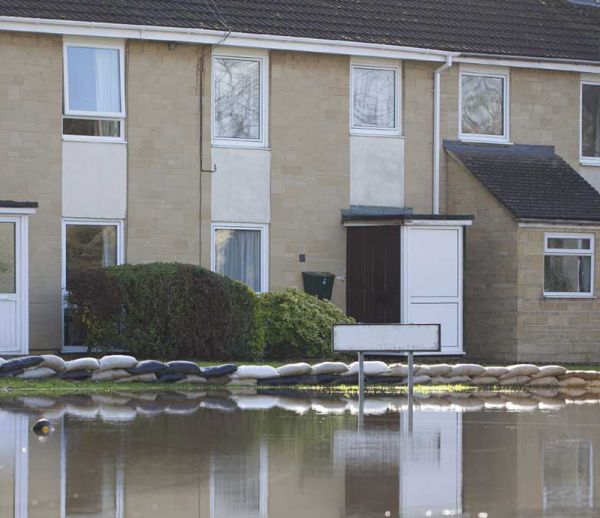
pixel 482 105
pixel 237 255
pixel 374 99
pixel 590 121
pixel 237 98
pixel 107 80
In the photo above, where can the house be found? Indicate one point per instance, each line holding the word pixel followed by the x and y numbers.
pixel 263 139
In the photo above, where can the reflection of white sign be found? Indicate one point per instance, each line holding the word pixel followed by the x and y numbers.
pixel 386 337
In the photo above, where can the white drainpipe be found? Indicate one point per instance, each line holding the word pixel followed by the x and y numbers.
pixel 436 132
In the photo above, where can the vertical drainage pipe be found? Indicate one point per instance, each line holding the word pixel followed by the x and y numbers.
pixel 436 132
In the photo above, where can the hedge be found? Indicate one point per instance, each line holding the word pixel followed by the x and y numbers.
pixel 167 310
pixel 297 325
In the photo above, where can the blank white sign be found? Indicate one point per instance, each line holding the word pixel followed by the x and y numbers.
pixel 386 337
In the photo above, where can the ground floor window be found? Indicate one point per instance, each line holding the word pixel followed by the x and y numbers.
pixel 87 245
pixel 569 265
pixel 239 252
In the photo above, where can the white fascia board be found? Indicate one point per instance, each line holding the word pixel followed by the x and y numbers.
pixel 566 65
pixel 212 37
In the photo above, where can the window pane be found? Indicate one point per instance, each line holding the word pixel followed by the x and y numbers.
pixel 237 98
pixel 94 79
pixel 374 99
pixel 590 121
pixel 567 274
pixel 237 254
pixel 568 243
pixel 7 258
pixel 92 127
pixel 482 105
pixel 90 247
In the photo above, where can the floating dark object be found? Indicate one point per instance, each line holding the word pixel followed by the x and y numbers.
pixel 42 427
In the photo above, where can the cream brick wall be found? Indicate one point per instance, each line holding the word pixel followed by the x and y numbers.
pixel 310 180
pixel 30 166
pixel 490 282
pixel 554 330
pixel 163 153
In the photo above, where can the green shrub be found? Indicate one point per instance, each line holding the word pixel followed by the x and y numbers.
pixel 166 310
pixel 297 325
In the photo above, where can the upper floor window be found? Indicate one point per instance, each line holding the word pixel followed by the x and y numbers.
pixel 374 100
pixel 93 91
pixel 239 108
pixel 590 123
pixel 483 107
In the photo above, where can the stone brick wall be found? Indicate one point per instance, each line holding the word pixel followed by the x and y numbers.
pixel 310 179
pixel 554 330
pixel 30 166
pixel 490 289
pixel 163 153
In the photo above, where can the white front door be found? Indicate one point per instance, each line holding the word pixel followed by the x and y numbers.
pixel 13 285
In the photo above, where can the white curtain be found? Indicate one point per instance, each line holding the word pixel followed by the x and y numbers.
pixel 374 99
pixel 109 246
pixel 482 105
pixel 238 255
pixel 107 80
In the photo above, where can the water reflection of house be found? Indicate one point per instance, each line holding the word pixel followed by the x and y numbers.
pixel 259 465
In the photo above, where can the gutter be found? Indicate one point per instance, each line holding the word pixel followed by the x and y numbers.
pixel 436 132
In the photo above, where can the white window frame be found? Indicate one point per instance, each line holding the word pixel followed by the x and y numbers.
pixel 93 115
pixel 63 283
pixel 585 160
pixel 561 252
pixel 264 247
pixel 369 130
pixel 262 142
pixel 472 137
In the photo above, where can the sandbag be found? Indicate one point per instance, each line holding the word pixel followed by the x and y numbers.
pixel 584 375
pixel 25 362
pixel 441 369
pixel 453 380
pixel 140 378
pixel 515 380
pixel 255 371
pixel 522 369
pixel 418 380
pixel 485 380
pixel 11 373
pixel 56 363
pixel 495 371
pixel 37 373
pixel 219 371
pixel 329 368
pixel 549 370
pixel 169 377
pixel 81 364
pixel 467 369
pixel 117 361
pixel 439 380
pixel 397 369
pixel 572 382
pixel 372 368
pixel 183 367
pixel 220 380
pixel 241 383
pixel 147 367
pixel 76 375
pixel 2 361
pixel 294 369
pixel 109 375
pixel 191 378
pixel 547 381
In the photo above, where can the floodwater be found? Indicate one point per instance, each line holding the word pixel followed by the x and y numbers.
pixel 180 455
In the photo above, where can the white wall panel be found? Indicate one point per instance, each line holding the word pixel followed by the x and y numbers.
pixel 94 180
pixel 241 186
pixel 377 171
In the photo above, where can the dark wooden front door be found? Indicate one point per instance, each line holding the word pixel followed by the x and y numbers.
pixel 373 274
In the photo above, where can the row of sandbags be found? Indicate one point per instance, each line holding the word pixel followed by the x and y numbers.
pixel 125 368
pixel 126 407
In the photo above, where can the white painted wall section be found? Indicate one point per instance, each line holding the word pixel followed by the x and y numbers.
pixel 241 186
pixel 377 171
pixel 94 180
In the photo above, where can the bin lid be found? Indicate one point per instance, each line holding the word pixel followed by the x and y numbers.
pixel 318 274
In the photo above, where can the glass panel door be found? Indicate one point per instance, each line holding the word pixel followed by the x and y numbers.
pixel 8 258
pixel 10 296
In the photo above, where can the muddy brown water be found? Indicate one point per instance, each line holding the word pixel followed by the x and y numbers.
pixel 180 455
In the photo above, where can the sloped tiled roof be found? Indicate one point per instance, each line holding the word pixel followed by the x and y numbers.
pixel 531 181
pixel 537 28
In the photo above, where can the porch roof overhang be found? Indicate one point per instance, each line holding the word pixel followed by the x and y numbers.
pixel 368 215
pixel 18 207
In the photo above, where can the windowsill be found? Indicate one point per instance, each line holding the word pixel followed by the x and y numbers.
pixel 594 162
pixel 240 146
pixel 359 133
pixel 97 140
pixel 567 296
pixel 484 140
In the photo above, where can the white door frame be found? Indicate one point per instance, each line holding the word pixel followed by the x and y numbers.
pixel 20 218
